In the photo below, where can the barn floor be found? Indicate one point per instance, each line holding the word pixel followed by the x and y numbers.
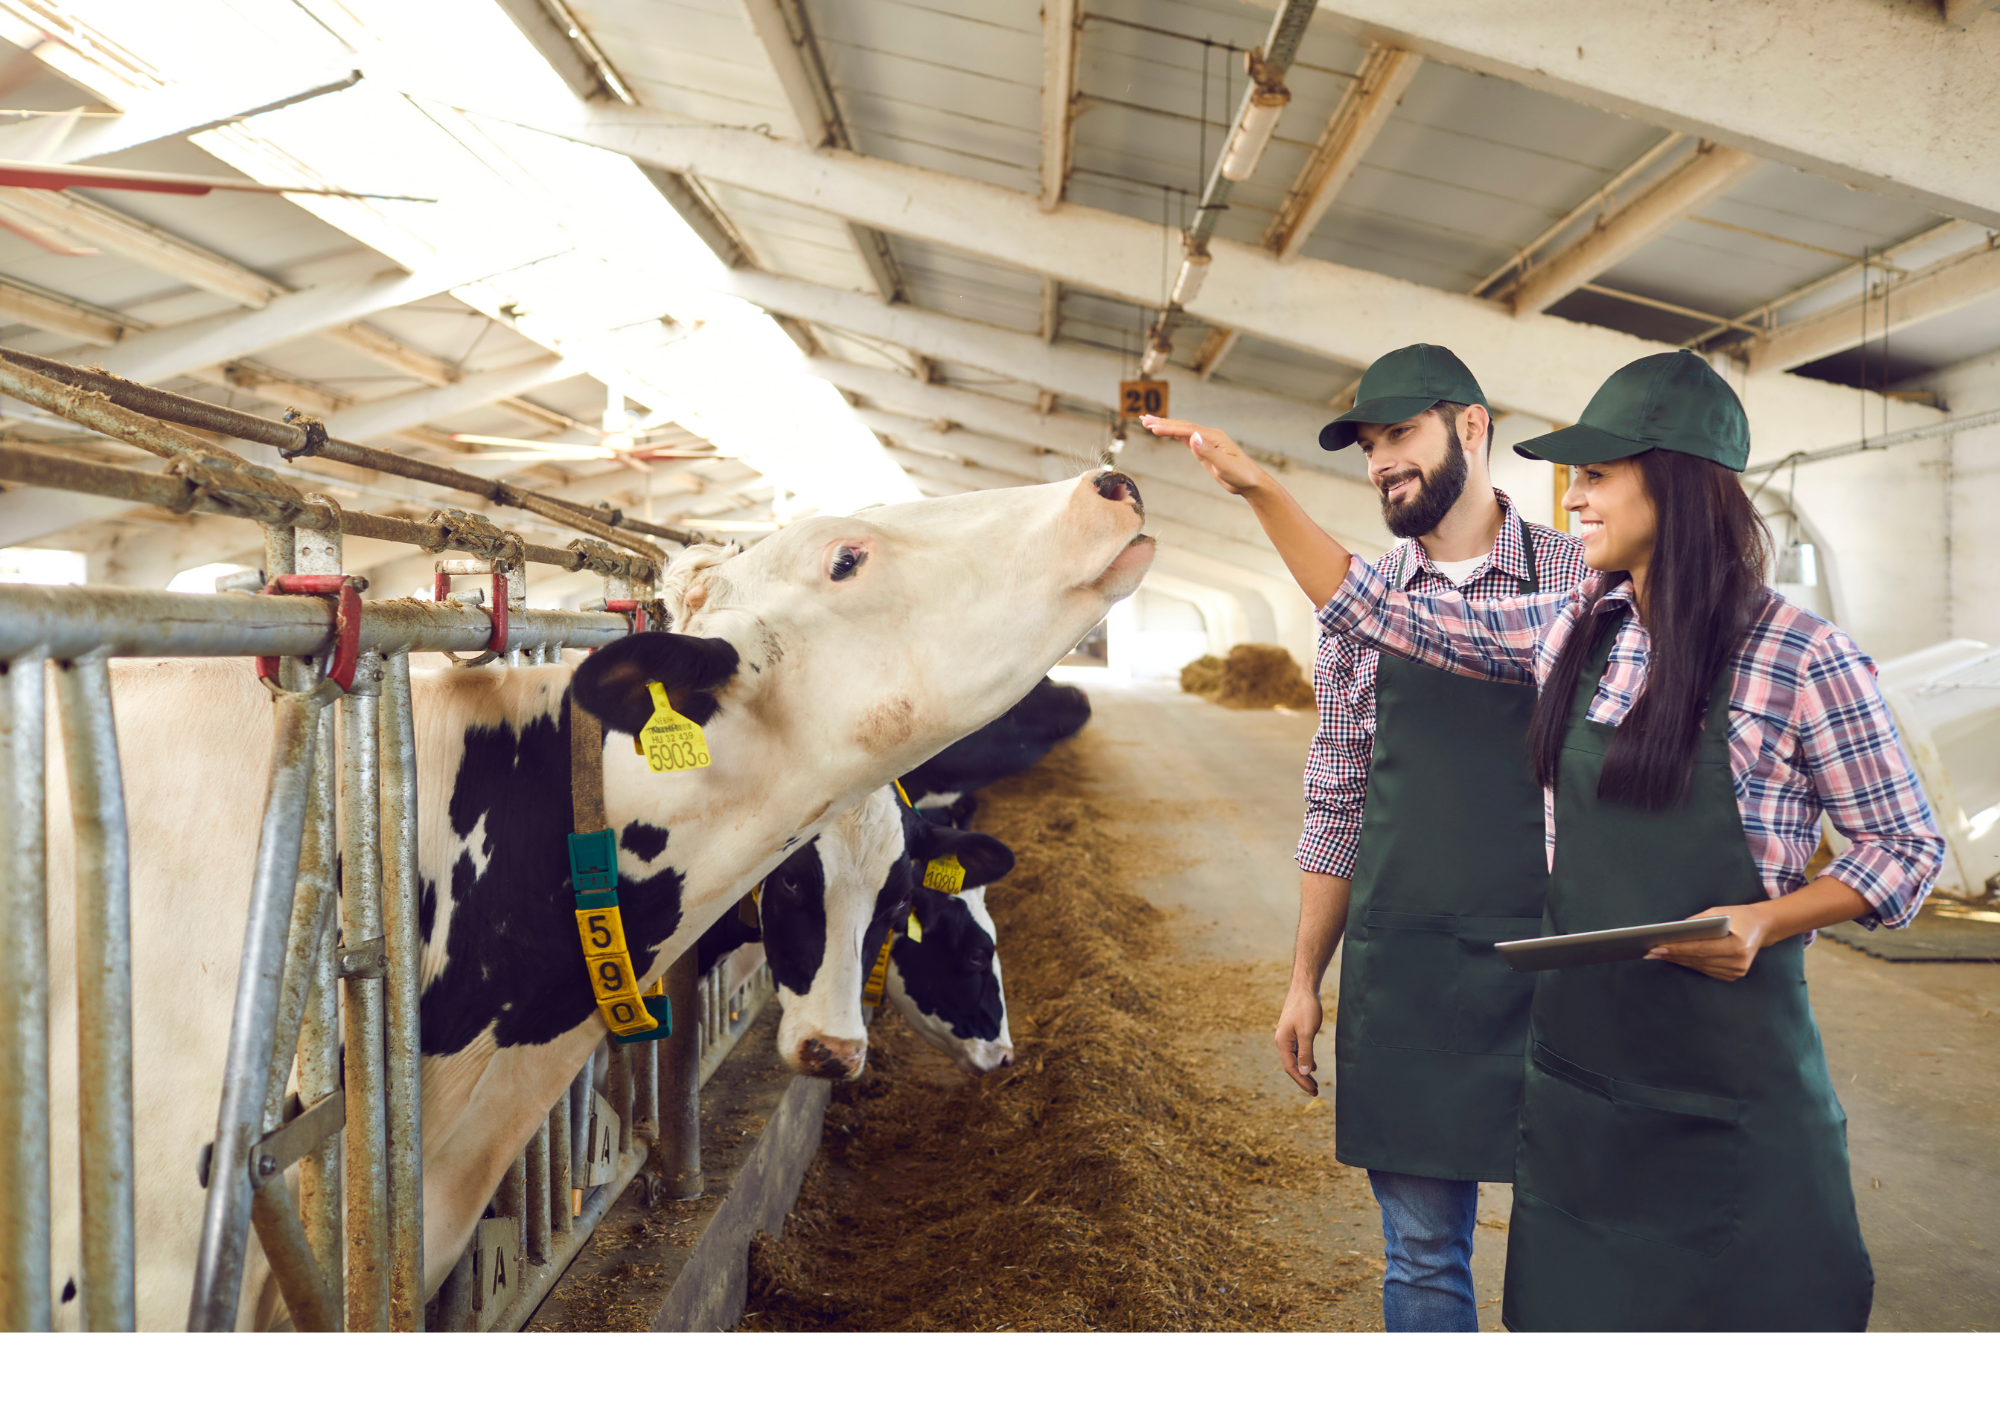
pixel 1914 1047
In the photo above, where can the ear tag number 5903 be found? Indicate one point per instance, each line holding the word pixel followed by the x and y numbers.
pixel 669 741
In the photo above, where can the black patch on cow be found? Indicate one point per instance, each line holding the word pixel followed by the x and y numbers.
pixel 611 683
pixel 427 908
pixel 69 1291
pixel 1013 741
pixel 643 840
pixel 949 975
pixel 793 909
pixel 512 958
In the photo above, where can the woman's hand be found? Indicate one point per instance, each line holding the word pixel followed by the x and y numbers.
pixel 1220 457
pixel 1752 928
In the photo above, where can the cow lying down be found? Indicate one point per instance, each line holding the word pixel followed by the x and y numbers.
pixel 826 911
pixel 823 662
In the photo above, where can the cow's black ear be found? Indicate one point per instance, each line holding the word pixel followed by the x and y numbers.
pixel 611 683
pixel 983 857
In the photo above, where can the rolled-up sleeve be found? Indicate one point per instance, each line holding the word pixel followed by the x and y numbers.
pixel 1477 638
pixel 1866 784
pixel 1336 783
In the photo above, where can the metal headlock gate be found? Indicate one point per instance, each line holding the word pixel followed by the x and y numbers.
pixel 337 995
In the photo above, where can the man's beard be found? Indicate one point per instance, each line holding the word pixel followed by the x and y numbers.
pixel 1438 494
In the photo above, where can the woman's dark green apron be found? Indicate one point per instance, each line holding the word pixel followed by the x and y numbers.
pixel 1683 1160
pixel 1431 1025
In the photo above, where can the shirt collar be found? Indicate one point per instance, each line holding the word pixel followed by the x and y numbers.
pixel 1619 597
pixel 1509 555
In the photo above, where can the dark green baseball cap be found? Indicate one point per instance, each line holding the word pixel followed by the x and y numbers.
pixel 1400 385
pixel 1672 400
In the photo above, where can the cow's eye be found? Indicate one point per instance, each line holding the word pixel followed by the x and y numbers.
pixel 846 560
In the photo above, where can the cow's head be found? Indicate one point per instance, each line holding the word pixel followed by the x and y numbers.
pixel 864 644
pixel 947 983
pixel 828 910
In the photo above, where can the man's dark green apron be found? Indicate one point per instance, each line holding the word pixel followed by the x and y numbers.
pixel 1429 1035
pixel 1683 1160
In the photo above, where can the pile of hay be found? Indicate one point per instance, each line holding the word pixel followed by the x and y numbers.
pixel 1097 1184
pixel 1254 675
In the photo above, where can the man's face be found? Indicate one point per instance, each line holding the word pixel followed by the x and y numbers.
pixel 1418 466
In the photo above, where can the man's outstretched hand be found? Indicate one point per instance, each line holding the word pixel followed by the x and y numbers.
pixel 1219 456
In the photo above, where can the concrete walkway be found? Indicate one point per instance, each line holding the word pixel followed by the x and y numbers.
pixel 1914 1047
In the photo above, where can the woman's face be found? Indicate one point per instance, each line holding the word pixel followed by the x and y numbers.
pixel 1614 515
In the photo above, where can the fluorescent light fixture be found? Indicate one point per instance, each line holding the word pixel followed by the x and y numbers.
pixel 1117 444
pixel 1156 358
pixel 1194 269
pixel 733 527
pixel 1255 122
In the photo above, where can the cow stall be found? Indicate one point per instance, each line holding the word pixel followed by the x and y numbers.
pixel 317 1144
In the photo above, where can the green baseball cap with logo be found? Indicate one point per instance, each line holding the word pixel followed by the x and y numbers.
pixel 1400 385
pixel 1672 400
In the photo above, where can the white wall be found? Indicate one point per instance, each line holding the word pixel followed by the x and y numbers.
pixel 1972 493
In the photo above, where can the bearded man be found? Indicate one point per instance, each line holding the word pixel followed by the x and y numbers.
pixel 1423 840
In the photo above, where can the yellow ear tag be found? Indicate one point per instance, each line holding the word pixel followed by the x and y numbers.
pixel 946 875
pixel 669 741
pixel 914 929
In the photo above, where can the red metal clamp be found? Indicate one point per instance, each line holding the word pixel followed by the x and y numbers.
pixel 346 623
pixel 635 607
pixel 496 643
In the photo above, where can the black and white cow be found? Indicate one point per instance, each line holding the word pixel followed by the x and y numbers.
pixel 947 983
pixel 1015 740
pixel 832 657
pixel 827 910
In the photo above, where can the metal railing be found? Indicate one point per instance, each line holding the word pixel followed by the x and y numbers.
pixel 340 1003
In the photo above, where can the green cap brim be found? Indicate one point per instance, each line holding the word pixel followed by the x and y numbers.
pixel 1341 431
pixel 1579 445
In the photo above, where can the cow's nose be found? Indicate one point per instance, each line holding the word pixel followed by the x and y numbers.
pixel 832 1058
pixel 1117 486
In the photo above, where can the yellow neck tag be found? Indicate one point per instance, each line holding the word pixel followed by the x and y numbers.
pixel 613 983
pixel 669 741
pixel 945 874
pixel 878 975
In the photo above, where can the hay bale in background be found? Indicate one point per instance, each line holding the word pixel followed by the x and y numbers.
pixel 1203 675
pixel 1254 675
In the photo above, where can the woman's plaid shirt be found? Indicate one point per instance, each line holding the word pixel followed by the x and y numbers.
pixel 1344 680
pixel 1808 729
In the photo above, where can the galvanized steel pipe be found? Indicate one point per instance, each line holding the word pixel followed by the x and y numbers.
pixel 320 1203
pixel 71 620
pixel 103 992
pixel 680 1083
pixel 404 954
pixel 25 1278
pixel 366 1175
pixel 218 1276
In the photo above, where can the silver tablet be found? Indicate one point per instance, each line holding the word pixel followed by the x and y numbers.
pixel 1606 945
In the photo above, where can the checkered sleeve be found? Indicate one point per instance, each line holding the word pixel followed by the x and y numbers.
pixel 1336 784
pixel 1478 638
pixel 1866 784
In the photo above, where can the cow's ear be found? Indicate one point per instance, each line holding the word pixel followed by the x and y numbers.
pixel 983 858
pixel 611 683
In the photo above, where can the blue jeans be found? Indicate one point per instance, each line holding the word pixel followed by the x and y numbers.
pixel 1427 1238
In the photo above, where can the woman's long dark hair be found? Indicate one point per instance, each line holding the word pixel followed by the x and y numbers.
pixel 1704 587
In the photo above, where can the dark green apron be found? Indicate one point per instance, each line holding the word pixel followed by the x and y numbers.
pixel 1683 1160
pixel 1428 1039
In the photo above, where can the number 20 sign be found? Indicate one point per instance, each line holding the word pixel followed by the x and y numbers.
pixel 1142 396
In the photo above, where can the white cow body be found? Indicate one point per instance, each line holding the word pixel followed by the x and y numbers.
pixel 861 646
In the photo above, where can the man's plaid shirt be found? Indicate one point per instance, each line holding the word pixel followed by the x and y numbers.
pixel 1344 679
pixel 1808 729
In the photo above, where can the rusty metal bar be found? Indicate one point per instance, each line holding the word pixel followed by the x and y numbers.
pixel 67 620
pixel 320 1201
pixel 454 1298
pixel 561 1162
pixel 25 1298
pixel 364 1011
pixel 536 1222
pixel 404 960
pixel 218 1277
pixel 289 437
pixel 283 1238
pixel 185 488
pixel 679 1162
pixel 620 1089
